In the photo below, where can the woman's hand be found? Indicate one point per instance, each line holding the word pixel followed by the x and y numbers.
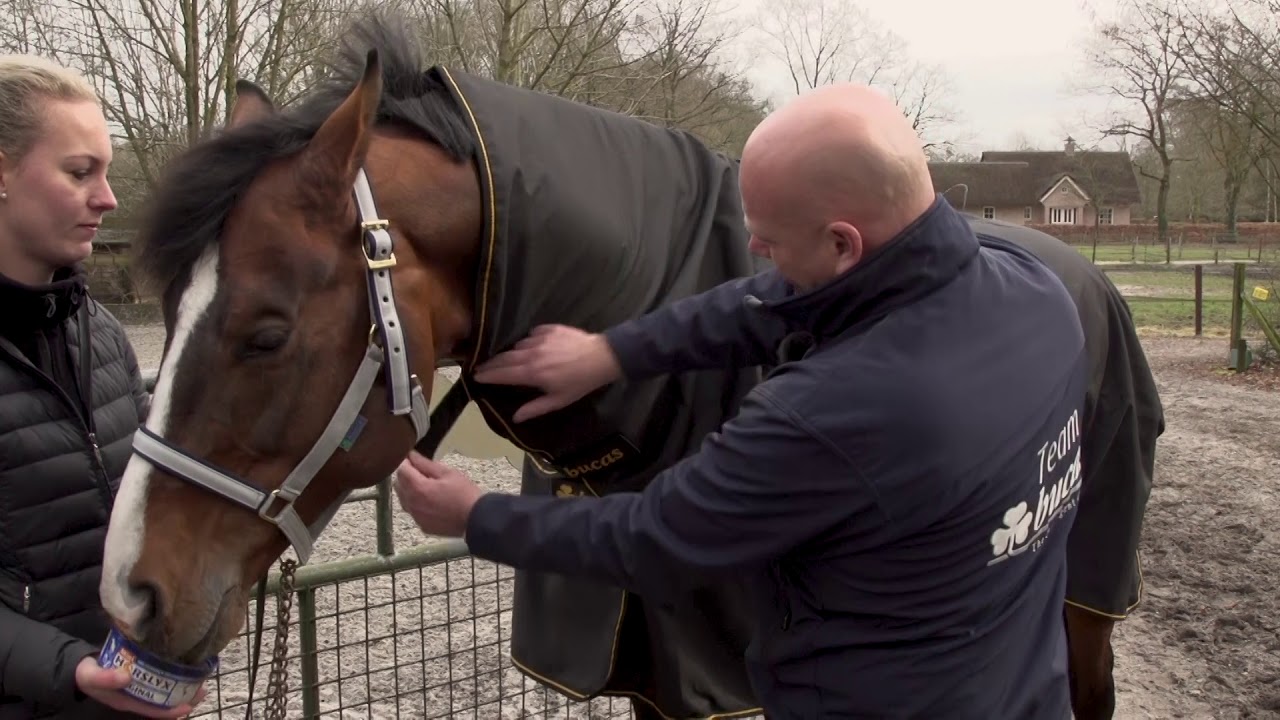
pixel 104 685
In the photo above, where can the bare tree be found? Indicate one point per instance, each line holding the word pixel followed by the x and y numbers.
pixel 827 41
pixel 1231 53
pixel 1140 65
pixel 923 92
pixel 951 154
pixel 166 69
pixel 659 60
pixel 683 79
pixel 1234 144
pixel 1233 59
pixel 1021 142
pixel 29 26
pixel 555 46
pixel 823 42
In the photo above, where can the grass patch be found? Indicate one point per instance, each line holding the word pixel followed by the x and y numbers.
pixel 1151 253
pixel 1163 301
pixel 1169 283
pixel 1179 316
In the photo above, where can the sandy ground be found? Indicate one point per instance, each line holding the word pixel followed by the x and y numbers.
pixel 1204 643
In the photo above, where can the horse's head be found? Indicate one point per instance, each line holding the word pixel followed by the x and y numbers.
pixel 303 331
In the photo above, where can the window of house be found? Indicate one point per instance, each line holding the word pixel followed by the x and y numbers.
pixel 989 212
pixel 1062 216
pixel 1026 213
pixel 1104 216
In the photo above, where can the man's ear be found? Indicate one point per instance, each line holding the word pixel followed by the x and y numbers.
pixel 848 243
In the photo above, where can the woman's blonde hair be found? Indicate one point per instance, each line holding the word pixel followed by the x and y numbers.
pixel 26 81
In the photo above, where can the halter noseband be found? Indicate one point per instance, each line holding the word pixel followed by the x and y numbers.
pixel 404 395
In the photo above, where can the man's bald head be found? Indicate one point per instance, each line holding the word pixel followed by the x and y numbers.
pixel 840 154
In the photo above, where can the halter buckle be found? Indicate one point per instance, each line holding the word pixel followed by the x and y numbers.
pixel 390 261
pixel 272 499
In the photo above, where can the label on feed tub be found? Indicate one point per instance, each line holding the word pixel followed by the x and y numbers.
pixel 150 685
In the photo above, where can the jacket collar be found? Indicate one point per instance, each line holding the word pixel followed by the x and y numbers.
pixel 34 308
pixel 927 254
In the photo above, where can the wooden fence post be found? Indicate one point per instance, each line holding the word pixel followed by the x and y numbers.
pixel 1238 354
pixel 1199 298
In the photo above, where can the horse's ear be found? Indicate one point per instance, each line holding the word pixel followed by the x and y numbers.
pixel 329 164
pixel 251 104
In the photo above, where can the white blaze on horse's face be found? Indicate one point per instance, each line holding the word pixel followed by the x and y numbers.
pixel 127 529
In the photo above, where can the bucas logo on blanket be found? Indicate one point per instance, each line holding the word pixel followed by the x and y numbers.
pixel 600 463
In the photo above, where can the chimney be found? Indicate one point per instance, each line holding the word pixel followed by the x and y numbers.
pixel 1070 147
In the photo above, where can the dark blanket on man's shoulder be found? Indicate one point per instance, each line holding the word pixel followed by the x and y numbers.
pixel 593 218
pixel 1123 418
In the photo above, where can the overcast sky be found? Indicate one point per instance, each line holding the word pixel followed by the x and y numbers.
pixel 1015 66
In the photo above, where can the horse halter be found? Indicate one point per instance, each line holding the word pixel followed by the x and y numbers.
pixel 404 391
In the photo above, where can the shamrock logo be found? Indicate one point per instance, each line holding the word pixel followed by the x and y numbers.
pixel 1017 523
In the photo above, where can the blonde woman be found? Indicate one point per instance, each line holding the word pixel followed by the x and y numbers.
pixel 71 397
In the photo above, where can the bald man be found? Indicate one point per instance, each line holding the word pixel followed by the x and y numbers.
pixel 899 488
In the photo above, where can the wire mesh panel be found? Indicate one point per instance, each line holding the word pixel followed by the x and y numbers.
pixel 427 641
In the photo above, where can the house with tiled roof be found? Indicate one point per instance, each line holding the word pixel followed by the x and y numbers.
pixel 1039 187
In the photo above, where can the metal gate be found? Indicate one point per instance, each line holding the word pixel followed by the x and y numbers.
pixel 422 632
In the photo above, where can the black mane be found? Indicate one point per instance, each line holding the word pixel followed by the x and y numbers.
pixel 200 186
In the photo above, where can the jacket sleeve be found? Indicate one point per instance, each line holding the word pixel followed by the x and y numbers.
pixel 754 491
pixel 38 661
pixel 716 328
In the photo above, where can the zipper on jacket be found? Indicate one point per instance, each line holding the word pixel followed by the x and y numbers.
pixel 97 451
pixel 86 393
pixel 26 599
pixel 100 471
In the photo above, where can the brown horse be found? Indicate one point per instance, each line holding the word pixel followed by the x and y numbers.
pixel 317 265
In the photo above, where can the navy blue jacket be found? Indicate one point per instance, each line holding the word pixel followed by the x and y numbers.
pixel 901 486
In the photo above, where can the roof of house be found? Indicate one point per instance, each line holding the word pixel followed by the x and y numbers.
pixel 1003 178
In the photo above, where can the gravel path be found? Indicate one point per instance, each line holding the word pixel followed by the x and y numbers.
pixel 1203 644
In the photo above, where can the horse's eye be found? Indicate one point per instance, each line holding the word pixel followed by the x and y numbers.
pixel 265 341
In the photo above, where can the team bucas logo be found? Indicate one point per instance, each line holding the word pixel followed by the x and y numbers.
pixel 1058 464
pixel 596 465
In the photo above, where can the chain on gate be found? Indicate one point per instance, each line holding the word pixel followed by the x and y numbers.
pixel 278 680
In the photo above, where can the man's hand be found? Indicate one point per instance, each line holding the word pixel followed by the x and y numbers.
pixel 564 362
pixel 104 685
pixel 437 497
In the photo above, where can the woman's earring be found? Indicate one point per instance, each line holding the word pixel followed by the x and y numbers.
pixel 4 195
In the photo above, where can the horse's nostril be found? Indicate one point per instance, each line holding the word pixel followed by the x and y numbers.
pixel 148 599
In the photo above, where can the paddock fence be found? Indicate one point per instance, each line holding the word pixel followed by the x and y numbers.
pixel 1257 304
pixel 415 632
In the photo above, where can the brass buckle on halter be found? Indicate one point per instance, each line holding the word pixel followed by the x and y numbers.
pixel 369 226
pixel 272 499
pixel 381 264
